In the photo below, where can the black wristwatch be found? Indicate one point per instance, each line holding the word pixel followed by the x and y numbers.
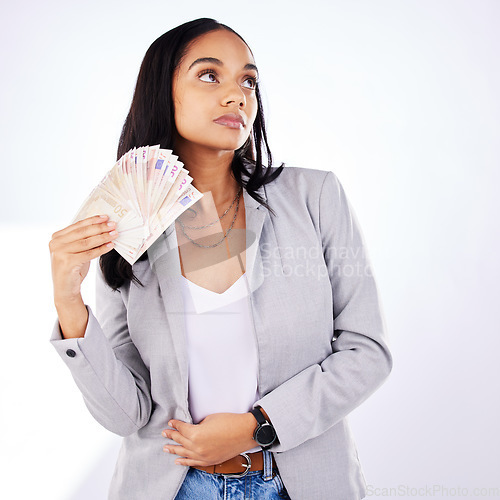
pixel 265 435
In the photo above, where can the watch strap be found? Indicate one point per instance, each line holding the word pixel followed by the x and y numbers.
pixel 259 416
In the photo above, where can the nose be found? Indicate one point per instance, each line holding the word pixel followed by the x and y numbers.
pixel 234 94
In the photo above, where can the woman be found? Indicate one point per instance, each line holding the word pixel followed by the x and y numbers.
pixel 236 382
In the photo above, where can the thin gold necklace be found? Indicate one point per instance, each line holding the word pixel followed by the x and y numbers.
pixel 237 199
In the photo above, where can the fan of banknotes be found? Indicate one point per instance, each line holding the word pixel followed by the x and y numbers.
pixel 144 192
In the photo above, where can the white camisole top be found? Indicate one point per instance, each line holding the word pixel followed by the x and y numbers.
pixel 222 351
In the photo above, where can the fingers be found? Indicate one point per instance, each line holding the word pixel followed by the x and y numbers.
pixel 93 252
pixel 93 233
pixel 179 450
pixel 96 219
pixel 188 461
pixel 186 457
pixel 178 438
pixel 72 249
pixel 91 237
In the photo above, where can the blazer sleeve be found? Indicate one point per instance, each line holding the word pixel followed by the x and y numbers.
pixel 106 365
pixel 317 398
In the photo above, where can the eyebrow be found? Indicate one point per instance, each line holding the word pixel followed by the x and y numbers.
pixel 218 62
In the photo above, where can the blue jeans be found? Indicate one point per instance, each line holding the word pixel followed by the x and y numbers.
pixel 257 485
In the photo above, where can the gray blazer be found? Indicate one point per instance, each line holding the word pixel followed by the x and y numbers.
pixel 319 328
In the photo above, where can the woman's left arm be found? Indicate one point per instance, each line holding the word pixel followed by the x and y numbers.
pixel 315 399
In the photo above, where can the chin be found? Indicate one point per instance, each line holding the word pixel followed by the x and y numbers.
pixel 228 145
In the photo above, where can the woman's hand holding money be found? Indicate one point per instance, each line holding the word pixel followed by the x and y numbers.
pixel 71 251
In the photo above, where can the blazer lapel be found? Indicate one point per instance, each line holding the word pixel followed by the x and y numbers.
pixel 163 256
pixel 255 215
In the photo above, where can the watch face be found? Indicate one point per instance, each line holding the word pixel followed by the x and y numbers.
pixel 266 434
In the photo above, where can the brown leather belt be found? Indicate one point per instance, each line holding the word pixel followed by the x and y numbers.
pixel 237 465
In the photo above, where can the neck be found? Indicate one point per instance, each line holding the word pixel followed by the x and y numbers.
pixel 211 172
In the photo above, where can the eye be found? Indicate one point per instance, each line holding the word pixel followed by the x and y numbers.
pixel 253 82
pixel 212 73
pixel 209 72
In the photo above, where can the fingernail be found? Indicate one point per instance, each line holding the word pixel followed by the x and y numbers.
pixel 103 216
pixel 166 449
pixel 111 223
pixel 164 434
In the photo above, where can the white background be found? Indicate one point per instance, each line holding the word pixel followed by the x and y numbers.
pixel 398 98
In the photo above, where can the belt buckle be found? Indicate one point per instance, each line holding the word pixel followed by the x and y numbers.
pixel 244 473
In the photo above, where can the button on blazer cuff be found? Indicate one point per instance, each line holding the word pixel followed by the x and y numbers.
pixel 114 382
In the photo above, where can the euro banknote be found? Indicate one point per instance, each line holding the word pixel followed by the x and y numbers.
pixel 144 192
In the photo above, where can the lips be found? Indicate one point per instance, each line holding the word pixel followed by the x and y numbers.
pixel 231 120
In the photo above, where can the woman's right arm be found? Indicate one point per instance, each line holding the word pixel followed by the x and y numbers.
pixel 101 356
pixel 71 251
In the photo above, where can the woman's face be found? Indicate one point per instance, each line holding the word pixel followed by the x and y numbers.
pixel 205 90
